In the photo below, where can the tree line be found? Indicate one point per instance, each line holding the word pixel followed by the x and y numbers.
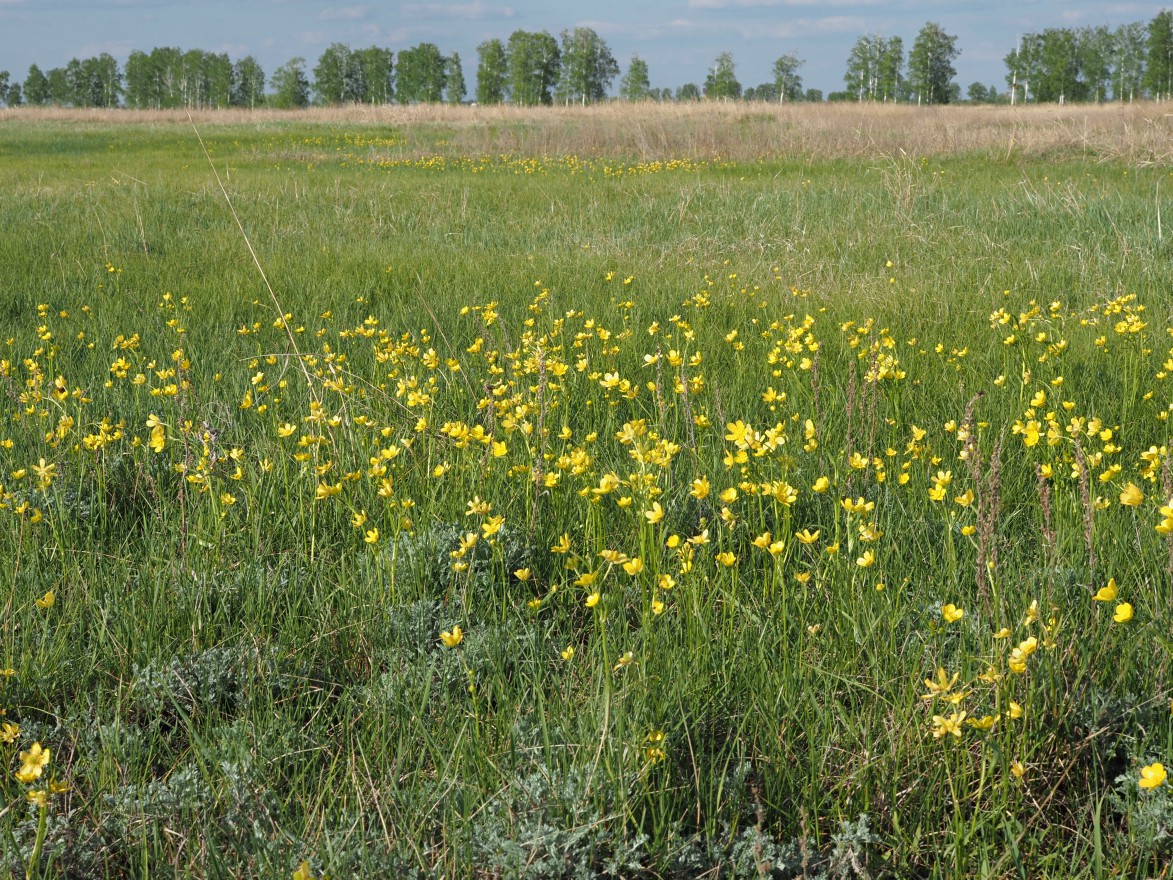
pixel 533 68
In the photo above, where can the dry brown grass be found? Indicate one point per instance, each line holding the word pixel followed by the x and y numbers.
pixel 1141 132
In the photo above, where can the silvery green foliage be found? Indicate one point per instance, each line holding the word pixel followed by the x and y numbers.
pixel 849 848
pixel 1149 813
pixel 756 854
pixel 209 680
pixel 753 854
pixel 413 658
pixel 547 826
pixel 424 557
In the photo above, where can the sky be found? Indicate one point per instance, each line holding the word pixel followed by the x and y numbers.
pixel 678 38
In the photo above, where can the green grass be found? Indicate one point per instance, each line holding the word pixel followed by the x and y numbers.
pixel 231 680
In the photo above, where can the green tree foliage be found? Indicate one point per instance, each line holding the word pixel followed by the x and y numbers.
pixel 291 86
pixel 635 85
pixel 1058 78
pixel 787 82
pixel 1130 45
pixel 875 69
pixel 375 69
pixel 688 92
pixel 36 86
pixel 1022 67
pixel 1083 64
pixel 168 77
pixel 454 87
pixel 59 91
pixel 4 77
pixel 534 64
pixel 930 65
pixel 587 68
pixel 813 96
pixel 1158 77
pixel 144 79
pixel 892 85
pixel 767 92
pixel 863 68
pixel 492 72
pixel 207 79
pixel 721 83
pixel 422 75
pixel 1096 48
pixel 248 83
pixel 337 76
pixel 91 82
pixel 13 96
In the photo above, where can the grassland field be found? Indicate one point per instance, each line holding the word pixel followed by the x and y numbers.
pixel 715 491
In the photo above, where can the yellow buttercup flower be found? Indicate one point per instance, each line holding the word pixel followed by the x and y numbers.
pixel 1123 612
pixel 452 638
pixel 943 726
pixel 33 763
pixel 951 613
pixel 46 601
pixel 1106 593
pixel 1132 496
pixel 940 685
pixel 633 566
pixel 1152 775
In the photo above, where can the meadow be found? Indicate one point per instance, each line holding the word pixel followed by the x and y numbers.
pixel 715 491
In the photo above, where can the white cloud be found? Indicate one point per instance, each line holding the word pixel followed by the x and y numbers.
pixel 767 4
pixel 797 28
pixel 477 9
pixel 117 48
pixel 642 31
pixel 344 13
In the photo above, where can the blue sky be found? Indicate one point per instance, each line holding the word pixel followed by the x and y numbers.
pixel 678 38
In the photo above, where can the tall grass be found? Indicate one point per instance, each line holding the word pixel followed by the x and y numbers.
pixel 743 132
pixel 725 461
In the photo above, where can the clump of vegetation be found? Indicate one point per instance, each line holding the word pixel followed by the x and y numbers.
pixel 557 516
